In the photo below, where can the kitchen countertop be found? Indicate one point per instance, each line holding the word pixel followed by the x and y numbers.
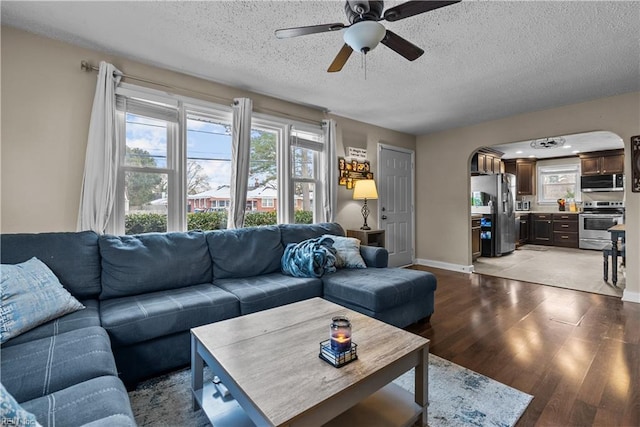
pixel 543 211
pixel 546 211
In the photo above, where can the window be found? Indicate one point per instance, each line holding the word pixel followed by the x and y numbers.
pixel 208 167
pixel 175 165
pixel 561 181
pixel 148 130
pixel 306 149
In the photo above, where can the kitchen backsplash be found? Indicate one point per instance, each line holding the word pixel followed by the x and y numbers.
pixel 611 196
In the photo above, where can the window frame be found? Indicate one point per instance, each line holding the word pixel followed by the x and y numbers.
pixel 557 168
pixel 176 169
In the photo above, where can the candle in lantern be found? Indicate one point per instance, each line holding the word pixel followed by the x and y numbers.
pixel 340 334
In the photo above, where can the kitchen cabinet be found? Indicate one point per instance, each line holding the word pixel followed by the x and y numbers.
pixel 476 247
pixel 368 237
pixel 541 229
pixel 525 172
pixel 565 230
pixel 555 229
pixel 497 165
pixel 486 163
pixel 523 229
pixel 602 162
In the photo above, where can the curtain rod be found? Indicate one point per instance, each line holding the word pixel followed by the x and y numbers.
pixel 88 67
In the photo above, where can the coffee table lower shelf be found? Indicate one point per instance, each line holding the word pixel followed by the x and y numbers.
pixel 391 406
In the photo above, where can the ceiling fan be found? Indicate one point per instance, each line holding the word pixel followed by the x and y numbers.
pixel 365 32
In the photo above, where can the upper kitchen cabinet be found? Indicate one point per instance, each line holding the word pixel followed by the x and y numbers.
pixel 525 172
pixel 486 161
pixel 602 162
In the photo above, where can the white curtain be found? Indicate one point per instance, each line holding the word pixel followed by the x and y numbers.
pixel 100 168
pixel 329 174
pixel 240 152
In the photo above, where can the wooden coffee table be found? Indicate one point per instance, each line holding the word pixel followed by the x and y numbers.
pixel 269 362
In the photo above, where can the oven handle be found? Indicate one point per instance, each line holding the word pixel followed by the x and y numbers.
pixel 584 215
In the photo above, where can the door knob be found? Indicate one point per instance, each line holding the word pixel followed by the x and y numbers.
pixel 384 217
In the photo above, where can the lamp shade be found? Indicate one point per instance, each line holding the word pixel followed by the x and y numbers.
pixel 364 36
pixel 365 189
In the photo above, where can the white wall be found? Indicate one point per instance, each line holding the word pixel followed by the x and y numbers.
pixel 442 174
pixel 46 105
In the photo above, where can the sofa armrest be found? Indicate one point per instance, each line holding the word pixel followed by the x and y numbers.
pixel 374 256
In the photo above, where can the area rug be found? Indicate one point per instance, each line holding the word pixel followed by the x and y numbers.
pixel 457 396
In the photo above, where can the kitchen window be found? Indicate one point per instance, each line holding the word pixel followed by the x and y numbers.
pixel 558 181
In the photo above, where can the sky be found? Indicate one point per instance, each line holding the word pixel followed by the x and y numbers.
pixel 207 143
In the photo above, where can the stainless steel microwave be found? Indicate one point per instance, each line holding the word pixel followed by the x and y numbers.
pixel 593 183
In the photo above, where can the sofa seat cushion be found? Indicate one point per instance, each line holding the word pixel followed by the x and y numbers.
pixel 379 289
pixel 102 400
pixel 270 290
pixel 133 265
pixel 90 316
pixel 140 318
pixel 245 252
pixel 36 368
pixel 73 257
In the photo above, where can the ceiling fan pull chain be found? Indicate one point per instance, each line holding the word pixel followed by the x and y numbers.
pixel 365 66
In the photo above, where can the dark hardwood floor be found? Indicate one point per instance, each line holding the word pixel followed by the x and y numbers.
pixel 577 353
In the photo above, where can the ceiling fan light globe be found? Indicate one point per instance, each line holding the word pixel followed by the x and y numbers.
pixel 364 35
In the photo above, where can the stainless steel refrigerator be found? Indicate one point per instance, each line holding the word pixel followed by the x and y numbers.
pixel 494 195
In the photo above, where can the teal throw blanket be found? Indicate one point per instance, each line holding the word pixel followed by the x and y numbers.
pixel 309 258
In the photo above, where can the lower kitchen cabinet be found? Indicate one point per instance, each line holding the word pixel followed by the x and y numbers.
pixel 476 247
pixel 523 231
pixel 541 229
pixel 565 230
pixel 557 229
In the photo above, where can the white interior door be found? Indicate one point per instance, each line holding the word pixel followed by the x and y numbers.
pixel 395 203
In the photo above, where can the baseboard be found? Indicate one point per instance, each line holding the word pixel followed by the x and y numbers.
pixel 628 296
pixel 445 265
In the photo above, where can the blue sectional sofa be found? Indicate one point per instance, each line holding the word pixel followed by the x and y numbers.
pixel 144 293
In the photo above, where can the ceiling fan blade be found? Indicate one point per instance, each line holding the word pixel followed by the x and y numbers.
pixel 313 29
pixel 340 59
pixel 401 46
pixel 412 8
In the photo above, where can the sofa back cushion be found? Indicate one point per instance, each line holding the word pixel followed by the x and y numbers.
pixel 296 233
pixel 133 265
pixel 73 257
pixel 245 252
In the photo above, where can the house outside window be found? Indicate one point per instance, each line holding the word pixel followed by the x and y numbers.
pixel 175 168
pixel 558 181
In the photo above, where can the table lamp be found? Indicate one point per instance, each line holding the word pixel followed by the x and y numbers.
pixel 365 189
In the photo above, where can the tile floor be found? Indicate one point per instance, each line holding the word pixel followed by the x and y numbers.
pixel 555 266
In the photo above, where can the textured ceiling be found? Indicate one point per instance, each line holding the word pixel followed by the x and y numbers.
pixel 483 60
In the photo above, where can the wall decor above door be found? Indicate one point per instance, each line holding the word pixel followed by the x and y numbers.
pixel 635 164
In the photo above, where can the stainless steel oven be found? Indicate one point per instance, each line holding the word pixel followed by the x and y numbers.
pixel 596 219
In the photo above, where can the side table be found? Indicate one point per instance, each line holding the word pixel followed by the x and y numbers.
pixel 368 237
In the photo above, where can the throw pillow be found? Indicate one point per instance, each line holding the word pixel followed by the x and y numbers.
pixel 347 252
pixel 12 414
pixel 31 295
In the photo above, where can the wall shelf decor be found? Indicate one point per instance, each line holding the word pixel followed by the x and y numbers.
pixel 635 164
pixel 351 171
